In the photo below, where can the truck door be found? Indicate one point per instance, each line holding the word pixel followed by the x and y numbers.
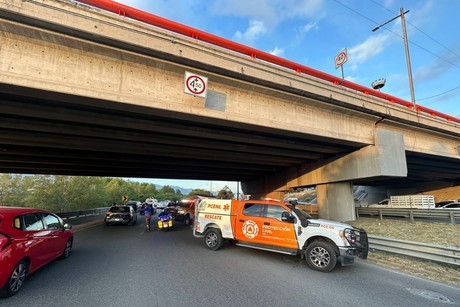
pixel 261 223
pixel 248 224
pixel 275 231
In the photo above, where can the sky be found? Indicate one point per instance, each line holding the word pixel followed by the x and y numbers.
pixel 314 32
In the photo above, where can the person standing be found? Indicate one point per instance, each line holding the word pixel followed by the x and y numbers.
pixel 148 212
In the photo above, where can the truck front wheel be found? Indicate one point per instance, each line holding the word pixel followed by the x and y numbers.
pixel 213 239
pixel 320 256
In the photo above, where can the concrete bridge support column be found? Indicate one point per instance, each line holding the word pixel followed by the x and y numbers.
pixel 264 187
pixel 335 201
pixel 333 180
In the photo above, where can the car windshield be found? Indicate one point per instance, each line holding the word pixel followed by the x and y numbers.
pixel 119 209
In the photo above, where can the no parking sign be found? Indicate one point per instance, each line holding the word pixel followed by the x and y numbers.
pixel 195 85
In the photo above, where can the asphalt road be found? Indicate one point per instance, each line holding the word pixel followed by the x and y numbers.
pixel 125 266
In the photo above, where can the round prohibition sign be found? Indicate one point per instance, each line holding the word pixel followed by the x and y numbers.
pixel 195 84
pixel 341 58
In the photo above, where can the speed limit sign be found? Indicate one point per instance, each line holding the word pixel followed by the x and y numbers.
pixel 195 84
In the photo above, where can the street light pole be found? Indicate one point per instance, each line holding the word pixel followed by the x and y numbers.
pixel 406 45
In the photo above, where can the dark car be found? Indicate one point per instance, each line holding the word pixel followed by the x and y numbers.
pixel 120 215
pixel 135 204
pixel 452 206
pixel 185 211
pixel 443 203
pixel 29 239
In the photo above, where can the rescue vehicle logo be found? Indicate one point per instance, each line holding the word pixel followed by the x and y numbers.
pixel 226 207
pixel 250 229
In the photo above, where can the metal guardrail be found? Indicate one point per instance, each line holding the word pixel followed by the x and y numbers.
pixel 82 213
pixel 428 214
pixel 438 253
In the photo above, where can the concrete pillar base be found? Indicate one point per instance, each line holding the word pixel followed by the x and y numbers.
pixel 335 201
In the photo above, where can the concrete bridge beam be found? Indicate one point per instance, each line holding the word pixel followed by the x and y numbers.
pixel 386 158
pixel 334 180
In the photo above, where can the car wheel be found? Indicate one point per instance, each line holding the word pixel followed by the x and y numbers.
pixel 16 279
pixel 213 239
pixel 67 249
pixel 320 256
pixel 187 220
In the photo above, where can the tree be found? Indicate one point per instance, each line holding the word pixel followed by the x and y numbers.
pixel 72 193
pixel 12 190
pixel 199 192
pixel 167 192
pixel 225 193
pixel 88 191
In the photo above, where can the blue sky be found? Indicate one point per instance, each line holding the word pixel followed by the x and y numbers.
pixel 313 32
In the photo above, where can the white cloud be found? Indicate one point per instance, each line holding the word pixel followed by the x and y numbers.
pixel 368 49
pixel 255 29
pixel 432 71
pixel 254 9
pixel 306 8
pixel 351 79
pixel 277 51
pixel 446 61
pixel 271 12
pixel 309 26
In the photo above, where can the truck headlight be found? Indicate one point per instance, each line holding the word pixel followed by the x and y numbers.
pixel 350 235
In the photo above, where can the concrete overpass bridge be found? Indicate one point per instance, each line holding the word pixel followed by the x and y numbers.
pixel 88 92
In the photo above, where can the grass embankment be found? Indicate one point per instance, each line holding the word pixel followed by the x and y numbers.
pixel 434 233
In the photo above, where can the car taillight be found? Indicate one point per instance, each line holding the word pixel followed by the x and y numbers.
pixel 4 241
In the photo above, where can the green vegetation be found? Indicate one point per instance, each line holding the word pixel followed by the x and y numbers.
pixel 69 193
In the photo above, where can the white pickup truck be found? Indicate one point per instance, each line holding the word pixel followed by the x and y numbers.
pixel 274 226
pixel 407 201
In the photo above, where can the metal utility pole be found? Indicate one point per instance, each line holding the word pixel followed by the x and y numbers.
pixel 406 45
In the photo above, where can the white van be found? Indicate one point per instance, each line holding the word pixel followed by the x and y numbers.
pixel 152 201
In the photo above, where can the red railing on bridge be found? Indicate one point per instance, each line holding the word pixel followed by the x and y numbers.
pixel 164 23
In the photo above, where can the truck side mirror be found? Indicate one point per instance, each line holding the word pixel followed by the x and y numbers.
pixel 286 217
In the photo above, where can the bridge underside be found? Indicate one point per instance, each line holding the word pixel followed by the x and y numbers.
pixel 52 133
pixel 70 135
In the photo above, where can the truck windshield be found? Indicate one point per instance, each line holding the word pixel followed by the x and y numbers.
pixel 302 215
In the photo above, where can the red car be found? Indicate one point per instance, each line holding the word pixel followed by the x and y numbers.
pixel 29 239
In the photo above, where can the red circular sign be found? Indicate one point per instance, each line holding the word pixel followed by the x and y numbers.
pixel 341 58
pixel 195 84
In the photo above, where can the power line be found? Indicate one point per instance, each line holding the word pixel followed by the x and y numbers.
pixel 439 43
pixel 437 95
pixel 421 47
pixel 415 44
